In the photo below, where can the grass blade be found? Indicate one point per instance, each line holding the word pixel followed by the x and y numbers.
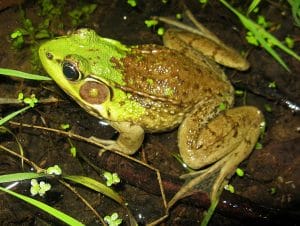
pixel 12 115
pixel 54 212
pixel 21 74
pixel 263 37
pixel 19 176
pixel 96 186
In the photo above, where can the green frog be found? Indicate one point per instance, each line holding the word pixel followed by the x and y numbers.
pixel 151 88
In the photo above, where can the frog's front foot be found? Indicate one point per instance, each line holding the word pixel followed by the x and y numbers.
pixel 129 141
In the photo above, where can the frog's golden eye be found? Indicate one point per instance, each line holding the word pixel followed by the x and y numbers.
pixel 70 71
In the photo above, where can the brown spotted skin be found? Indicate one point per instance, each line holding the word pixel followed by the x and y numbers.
pixel 169 85
pixel 214 49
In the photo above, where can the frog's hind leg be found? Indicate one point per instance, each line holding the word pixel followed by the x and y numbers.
pixel 204 41
pixel 221 144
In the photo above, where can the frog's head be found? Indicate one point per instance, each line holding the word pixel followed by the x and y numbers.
pixel 82 64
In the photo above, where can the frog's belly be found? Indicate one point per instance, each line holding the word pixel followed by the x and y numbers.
pixel 153 123
pixel 169 116
pixel 161 116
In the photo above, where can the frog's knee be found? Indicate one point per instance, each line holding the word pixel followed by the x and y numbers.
pixel 201 145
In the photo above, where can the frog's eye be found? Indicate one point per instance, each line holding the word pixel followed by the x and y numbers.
pixel 70 71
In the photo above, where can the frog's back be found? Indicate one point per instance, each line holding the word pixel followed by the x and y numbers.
pixel 168 75
pixel 168 84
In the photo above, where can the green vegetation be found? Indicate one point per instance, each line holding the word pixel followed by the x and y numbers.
pixel 113 220
pixel 272 191
pixel 96 186
pixel 258 146
pixel 253 7
pixel 268 108
pixel 222 106
pixel 36 188
pixel 54 212
pixel 52 13
pixel 239 172
pixel 203 1
pixel 39 187
pixel 295 7
pixel 132 3
pixel 54 170
pixel 73 149
pixel 81 14
pixel 290 42
pixel 178 16
pixel 65 126
pixel 229 187
pixel 111 178
pixel 257 35
pixel 160 31
pixel 151 23
pixel 239 92
pixel 209 213
pixel 12 115
pixel 30 101
pixel 20 74
pixel 52 20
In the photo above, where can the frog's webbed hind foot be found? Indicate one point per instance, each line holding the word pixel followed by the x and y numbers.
pixel 214 178
pixel 204 180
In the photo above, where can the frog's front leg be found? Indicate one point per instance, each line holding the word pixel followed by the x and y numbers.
pixel 129 140
pixel 222 143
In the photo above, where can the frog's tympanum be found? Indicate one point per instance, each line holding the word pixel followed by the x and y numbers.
pixel 151 88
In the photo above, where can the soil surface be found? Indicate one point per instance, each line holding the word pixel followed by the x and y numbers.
pixel 272 173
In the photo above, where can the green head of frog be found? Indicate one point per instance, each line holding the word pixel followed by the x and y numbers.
pixel 83 65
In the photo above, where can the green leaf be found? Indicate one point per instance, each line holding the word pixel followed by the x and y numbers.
pixel 132 3
pixel 160 31
pixel 209 212
pixel 19 177
pixel 96 186
pixel 151 23
pixel 55 170
pixel 229 187
pixel 12 115
pixel 239 172
pixel 254 4
pixel 113 220
pixel 20 74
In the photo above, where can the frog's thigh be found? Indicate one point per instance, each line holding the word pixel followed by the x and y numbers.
pixel 235 130
pixel 130 137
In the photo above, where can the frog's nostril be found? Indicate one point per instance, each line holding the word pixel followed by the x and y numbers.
pixel 49 56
